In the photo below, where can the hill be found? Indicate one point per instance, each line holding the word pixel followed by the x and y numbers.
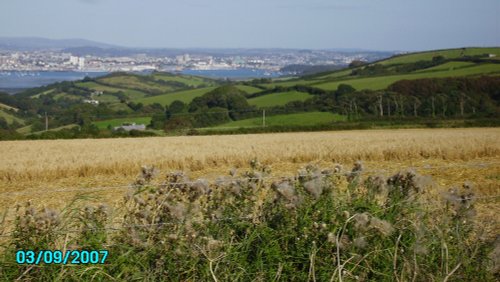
pixel 420 88
pixel 39 43
pixel 379 75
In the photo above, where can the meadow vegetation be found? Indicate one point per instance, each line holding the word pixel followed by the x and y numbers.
pixel 322 223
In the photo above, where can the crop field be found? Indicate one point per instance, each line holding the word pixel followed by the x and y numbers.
pixel 103 124
pixel 91 163
pixel 184 96
pixel 278 99
pixel 250 207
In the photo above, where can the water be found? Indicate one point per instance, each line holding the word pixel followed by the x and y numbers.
pixel 16 81
pixel 235 73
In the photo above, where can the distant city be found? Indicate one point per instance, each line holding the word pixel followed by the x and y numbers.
pixel 112 59
pixel 62 61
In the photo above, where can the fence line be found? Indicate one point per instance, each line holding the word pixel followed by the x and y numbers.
pixel 132 186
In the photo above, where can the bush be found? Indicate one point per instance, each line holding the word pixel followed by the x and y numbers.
pixel 322 224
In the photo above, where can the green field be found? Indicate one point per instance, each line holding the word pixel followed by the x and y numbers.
pixel 248 89
pixel 25 129
pixel 132 94
pixel 103 124
pixel 67 96
pixel 381 82
pixel 9 117
pixel 302 119
pixel 69 126
pixel 7 107
pixel 134 82
pixel 184 96
pixel 448 54
pixel 448 66
pixel 278 99
pixel 191 81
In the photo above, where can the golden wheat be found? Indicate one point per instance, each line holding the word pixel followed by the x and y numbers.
pixel 37 165
pixel 58 159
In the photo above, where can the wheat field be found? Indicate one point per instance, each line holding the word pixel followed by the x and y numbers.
pixel 36 166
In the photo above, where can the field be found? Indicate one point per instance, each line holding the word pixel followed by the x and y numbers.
pixel 191 81
pixel 119 121
pixel 248 89
pixel 378 83
pixel 6 107
pixel 278 99
pixel 135 83
pixel 9 117
pixel 132 94
pixel 450 53
pixel 302 119
pixel 275 215
pixel 91 163
pixel 184 96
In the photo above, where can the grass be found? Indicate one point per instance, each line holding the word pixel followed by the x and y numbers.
pixel 134 82
pixel 191 81
pixel 184 96
pixel 132 94
pixel 449 54
pixel 10 118
pixel 302 119
pixel 119 121
pixel 278 99
pixel 7 107
pixel 382 82
pixel 69 126
pixel 25 129
pixel 248 89
pixel 448 66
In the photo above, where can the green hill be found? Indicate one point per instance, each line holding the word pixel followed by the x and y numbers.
pixel 448 53
pixel 10 118
pixel 382 82
pixel 278 99
pixel 454 63
pixel 184 96
pixel 7 107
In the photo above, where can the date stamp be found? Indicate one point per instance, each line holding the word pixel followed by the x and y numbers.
pixel 60 257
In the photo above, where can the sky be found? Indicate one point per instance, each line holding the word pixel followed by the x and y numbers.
pixel 308 24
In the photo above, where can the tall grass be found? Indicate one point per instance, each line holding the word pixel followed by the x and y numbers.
pixel 323 224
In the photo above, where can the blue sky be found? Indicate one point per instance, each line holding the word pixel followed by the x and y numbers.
pixel 315 24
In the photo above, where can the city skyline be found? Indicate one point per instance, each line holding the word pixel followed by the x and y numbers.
pixel 319 24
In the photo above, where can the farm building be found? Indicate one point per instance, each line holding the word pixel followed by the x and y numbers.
pixel 131 126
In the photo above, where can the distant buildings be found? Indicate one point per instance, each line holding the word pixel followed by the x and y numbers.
pixel 130 126
pixel 91 101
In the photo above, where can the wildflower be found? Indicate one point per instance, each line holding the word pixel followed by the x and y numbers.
pixel 360 242
pixel 383 226
pixel 314 187
pixel 286 190
pixel 362 221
